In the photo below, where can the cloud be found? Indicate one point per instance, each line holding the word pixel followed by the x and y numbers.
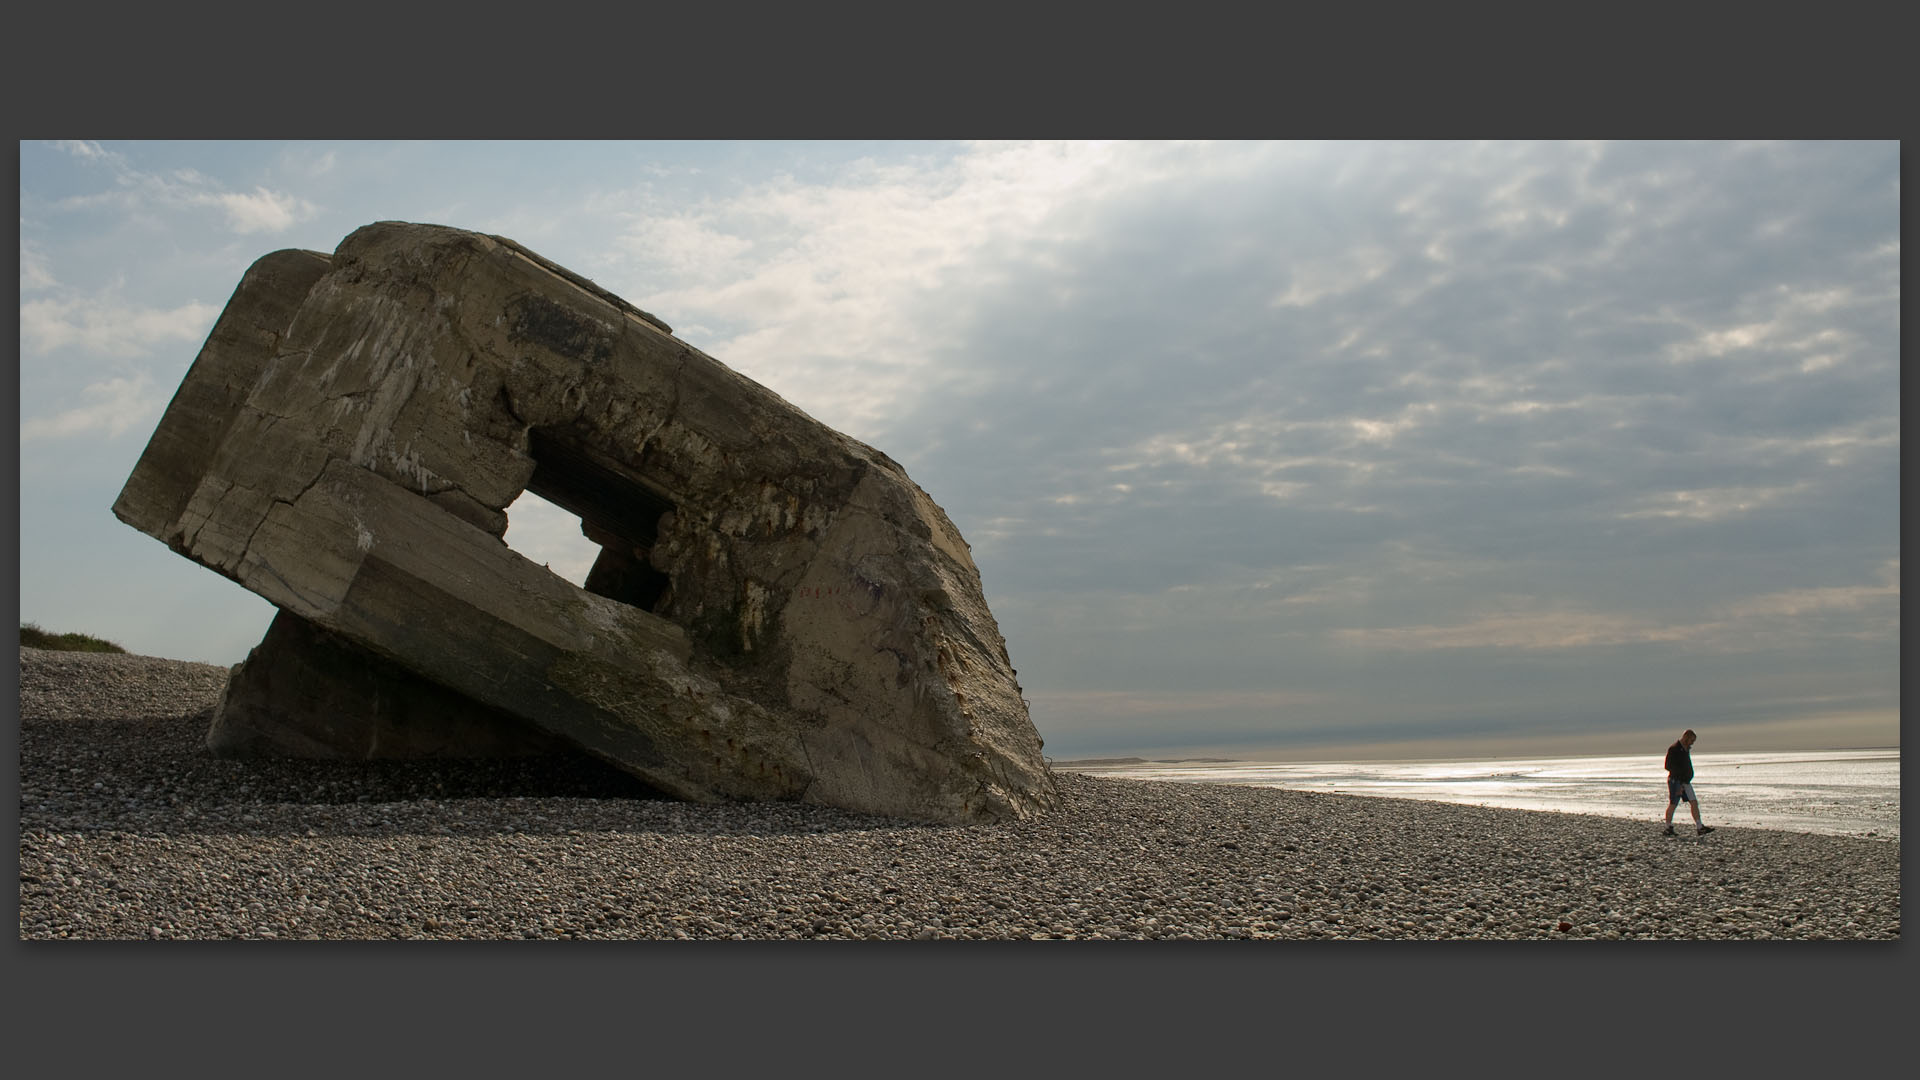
pixel 1145 717
pixel 106 326
pixel 1795 602
pixel 1313 281
pixel 261 210
pixel 136 190
pixel 1761 622
pixel 1475 350
pixel 688 244
pixel 839 294
pixel 1161 703
pixel 1712 505
pixel 1558 630
pixel 118 404
pixel 1277 438
pixel 88 150
pixel 35 271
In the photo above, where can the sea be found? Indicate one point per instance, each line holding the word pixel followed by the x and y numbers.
pixel 1839 792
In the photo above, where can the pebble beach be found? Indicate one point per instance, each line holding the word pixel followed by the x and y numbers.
pixel 130 829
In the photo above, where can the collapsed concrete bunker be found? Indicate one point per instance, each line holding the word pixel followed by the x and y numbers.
pixel 777 611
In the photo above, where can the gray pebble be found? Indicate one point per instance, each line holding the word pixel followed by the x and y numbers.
pixel 130 829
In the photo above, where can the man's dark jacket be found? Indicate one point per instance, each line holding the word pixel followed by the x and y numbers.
pixel 1679 762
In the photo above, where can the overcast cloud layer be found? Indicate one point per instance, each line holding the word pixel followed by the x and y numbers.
pixel 1263 449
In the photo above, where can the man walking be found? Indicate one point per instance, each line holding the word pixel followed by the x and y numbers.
pixel 1680 783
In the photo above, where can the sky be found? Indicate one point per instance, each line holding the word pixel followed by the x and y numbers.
pixel 1264 450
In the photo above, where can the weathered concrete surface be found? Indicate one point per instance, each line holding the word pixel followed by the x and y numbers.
pixel 778 611
pixel 305 692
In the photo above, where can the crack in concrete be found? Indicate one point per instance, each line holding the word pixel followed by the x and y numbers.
pixel 246 549
pixel 290 587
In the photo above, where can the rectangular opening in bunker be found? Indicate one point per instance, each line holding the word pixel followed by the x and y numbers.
pixel 617 511
pixel 547 534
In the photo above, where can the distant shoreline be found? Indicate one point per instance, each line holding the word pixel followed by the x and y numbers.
pixel 1073 763
pixel 1844 791
pixel 1148 761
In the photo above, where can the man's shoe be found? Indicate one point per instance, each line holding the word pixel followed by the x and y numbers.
pixel 1669 831
pixel 1704 830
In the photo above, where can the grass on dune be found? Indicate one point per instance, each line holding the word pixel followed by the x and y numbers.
pixel 34 637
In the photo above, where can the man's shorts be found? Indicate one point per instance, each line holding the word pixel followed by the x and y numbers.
pixel 1679 791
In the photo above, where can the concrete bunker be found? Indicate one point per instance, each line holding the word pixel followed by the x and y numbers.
pixel 348 439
